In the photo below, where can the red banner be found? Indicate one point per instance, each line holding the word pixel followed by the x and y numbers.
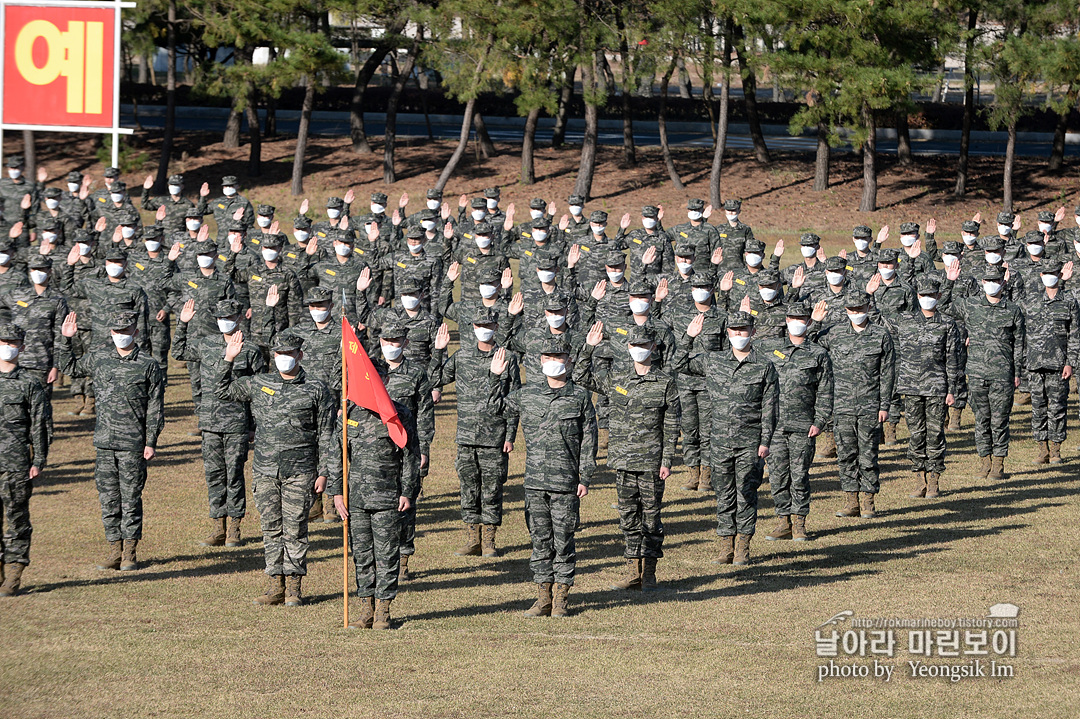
pixel 365 386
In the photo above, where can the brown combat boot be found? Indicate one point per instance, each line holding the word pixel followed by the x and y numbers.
pixel 693 474
pixel 826 448
pixel 330 515
pixel 933 480
pixel 80 403
pixel 542 606
pixel 232 534
pixel 851 505
pixel 920 485
pixel 866 505
pixel 984 467
pixel 216 538
pixel 997 468
pixel 316 509
pixel 742 550
pixel 1023 398
pixel 367 614
pixel 381 619
pixel 727 550
pixel 782 530
pixel 112 559
pixel 632 578
pixel 1042 453
pixel 705 479
pixel 130 560
pixel 471 548
pixel 1055 453
pixel 798 528
pixel 89 410
pixel 292 590
pixel 890 434
pixel 648 574
pixel 12 579
pixel 559 602
pixel 404 574
pixel 275 592
pixel 954 419
pixel 487 540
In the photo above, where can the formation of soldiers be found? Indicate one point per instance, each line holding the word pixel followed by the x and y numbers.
pixel 619 341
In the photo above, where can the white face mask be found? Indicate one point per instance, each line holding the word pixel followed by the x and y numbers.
pixel 152 245
pixel 545 276
pixel 992 288
pixel 969 239
pixel 767 293
pixel 284 363
pixel 206 261
pixel 738 342
pixel 319 315
pixel 834 278
pixel 950 260
pixel 4 258
pixel 1035 250
pixel 428 224
pixel 927 303
pixel 1045 226
pixel 193 225
pixel 391 352
pixel 410 302
pixel 887 273
pixel 807 252
pixel 113 269
pixel 269 255
pixel 39 277
pixel 1049 280
pixel 175 189
pixel 993 257
pixel 415 249
pixel 116 196
pixel 84 249
pixel 52 204
pixel 640 354
pixel 127 232
pixel 73 187
pixel 639 306
pixel 341 249
pixel 861 245
pixel 228 190
pixel 482 242
pixel 225 325
pixel 492 203
pixel 301 235
pixel 536 214
pixel 433 204
pixel 478 215
pixel 732 216
pixel 49 237
pixel 333 213
pixel 693 215
pixel 648 222
pixel 908 240
pixel 857 318
pixel 797 328
pixel 1004 230
pixel 122 341
pixel 14 173
pixel 483 334
pixel 684 267
pixel 555 321
pixel 753 259
pixel 615 275
pixel 488 291
pixel 263 221
pixel 540 235
pixel 598 229
pixel 377 209
pixel 8 353
pixel 553 368
pixel 1076 247
pixel 575 210
pixel 701 294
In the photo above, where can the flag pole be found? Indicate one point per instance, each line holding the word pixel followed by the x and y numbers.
pixel 344 474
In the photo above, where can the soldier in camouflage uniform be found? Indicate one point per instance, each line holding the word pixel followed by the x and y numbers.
pixel 339 271
pixel 152 270
pixel 734 235
pixel 491 285
pixel 1052 320
pixel 258 273
pixel 699 232
pixel 578 227
pixel 472 257
pixel 912 259
pixel 295 256
pixel 71 203
pixel 12 276
pixel 864 381
pixel 644 425
pixel 743 392
pixel 86 265
pixel 294 443
pixel 132 414
pixel 812 264
pixel 109 293
pixel 13 191
pixel 52 222
pixel 324 232
pixel 652 235
pixel 225 426
pixel 224 207
pixel 98 201
pixel 804 372
pixel 525 335
pixel 24 441
pixel 175 204
pixel 863 261
pixel 598 250
pixel 996 346
pixel 892 296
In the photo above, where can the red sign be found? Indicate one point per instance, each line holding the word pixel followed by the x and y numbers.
pixel 58 66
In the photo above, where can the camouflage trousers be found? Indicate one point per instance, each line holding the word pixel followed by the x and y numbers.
pixel 42 376
pixel 120 476
pixel 896 408
pixel 858 438
pixel 81 345
pixel 482 473
pixel 224 455
pixel 374 540
pixel 926 420
pixel 283 504
pixel 736 476
pixel 195 378
pixel 962 391
pixel 15 490
pixel 552 519
pixel 1049 405
pixel 640 496
pixel 407 522
pixel 601 404
pixel 160 341
pixel 790 457
pixel 695 421
pixel 991 402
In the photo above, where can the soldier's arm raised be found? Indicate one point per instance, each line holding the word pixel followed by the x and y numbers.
pixel 228 388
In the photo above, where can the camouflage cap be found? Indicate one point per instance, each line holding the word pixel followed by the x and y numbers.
pixel 553 345
pixel 738 320
pixel 434 194
pixel 640 335
pixel 114 172
pixel 640 288
pixel 11 332
pixel 176 179
pixel 614 258
pixel 74 176
pixel 537 203
pixel 129 217
pixel 482 228
pixel 492 193
pixel 15 161
pixel 555 302
pixel 888 255
pixel 856 298
pixel 377 198
pixel 85 236
pixel 927 284
pixel 206 247
pixel 266 210
pixel 809 239
pixel 732 205
pixel 1006 218
pixel 115 254
pixel 229 181
pixel 695 204
pixel 39 261
pixel 49 224
pixel 684 248
pixel 862 232
pixel 650 211
pixel 798 309
pixel 993 244
pixel 335 203
pixel 768 277
pixel 478 203
pixel 541 223
pixel 193 214
pixel 394 330
pixel 599 217
pixel 414 233
pixel 51 193
pixel 754 245
pixel 228 308
pixel 488 274
pixel 408 286
pixel 951 247
pixel 1034 237
pixel 1050 267
pixel 909 228
pixel 153 232
pixel 287 342
pixel 994 273
pixel 547 260
pixel 1046 216
pixel 576 199
pixel 232 225
pixel 275 239
pixel 483 316
pixel 122 320
pixel 319 294
pixel 703 279
pixel 970 226
pixel 301 222
pixel 836 263
pixel 118 186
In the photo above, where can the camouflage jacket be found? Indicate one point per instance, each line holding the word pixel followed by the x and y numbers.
pixel 864 368
pixel 806 383
pixel 927 353
pixel 216 415
pixel 250 271
pixel 410 384
pixel 41 317
pixel 380 472
pixel 105 297
pixel 207 291
pixel 996 338
pixel 22 426
pixel 1053 330
pixel 175 210
pixel 639 241
pixel 743 394
pixel 154 275
pixel 478 423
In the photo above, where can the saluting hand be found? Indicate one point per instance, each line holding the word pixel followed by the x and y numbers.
pixel 596 335
pixel 442 337
pixel 498 361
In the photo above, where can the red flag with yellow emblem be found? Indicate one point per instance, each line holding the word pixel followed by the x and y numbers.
pixel 365 387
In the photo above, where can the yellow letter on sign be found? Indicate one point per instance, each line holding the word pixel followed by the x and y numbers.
pixel 78 55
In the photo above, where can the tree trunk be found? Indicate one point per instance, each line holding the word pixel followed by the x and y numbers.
pixel 528 143
pixel 629 153
pixel 722 122
pixel 483 139
pixel 424 85
pixel 144 73
pixel 969 106
pixel 389 175
pixel 821 161
pixel 231 140
pixel 587 167
pixel 661 123
pixel 566 94
pixel 1010 161
pixel 254 132
pixel 162 179
pixel 749 84
pixel 684 81
pixel 302 138
pixel 363 77
pixel 868 203
pixel 1057 150
pixel 903 139
pixel 29 157
pixel 466 122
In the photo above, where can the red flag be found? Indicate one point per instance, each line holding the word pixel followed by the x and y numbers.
pixel 365 387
